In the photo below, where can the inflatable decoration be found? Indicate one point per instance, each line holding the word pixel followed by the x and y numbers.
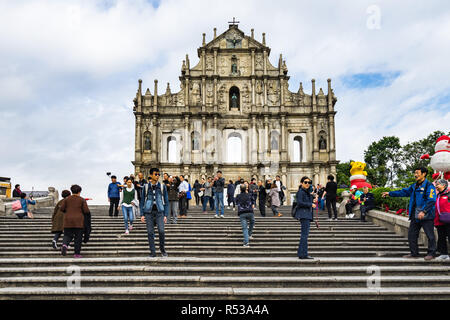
pixel 440 161
pixel 358 175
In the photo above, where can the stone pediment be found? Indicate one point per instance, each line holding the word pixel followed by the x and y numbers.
pixel 234 38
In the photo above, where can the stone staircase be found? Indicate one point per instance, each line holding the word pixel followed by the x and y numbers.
pixel 207 261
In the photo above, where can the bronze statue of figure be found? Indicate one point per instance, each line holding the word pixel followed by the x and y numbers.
pixel 322 143
pixel 234 103
pixel 147 143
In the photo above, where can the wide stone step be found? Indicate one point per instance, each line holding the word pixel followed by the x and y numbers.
pixel 266 262
pixel 191 293
pixel 144 270
pixel 127 281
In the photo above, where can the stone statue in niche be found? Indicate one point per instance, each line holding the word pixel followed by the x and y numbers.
pixel 234 103
pixel 147 142
pixel 322 143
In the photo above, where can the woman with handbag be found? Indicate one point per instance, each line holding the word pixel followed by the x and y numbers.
pixel 304 213
pixel 128 199
pixel 24 212
pixel 442 218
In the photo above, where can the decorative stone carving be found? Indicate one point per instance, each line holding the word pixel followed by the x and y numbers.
pixel 209 63
pixel 234 39
pixel 259 62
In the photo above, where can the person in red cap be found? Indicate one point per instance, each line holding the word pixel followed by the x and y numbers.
pixel 351 203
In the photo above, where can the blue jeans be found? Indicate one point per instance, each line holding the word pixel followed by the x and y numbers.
pixel 205 202
pixel 150 220
pixel 247 223
pixel 303 245
pixel 128 214
pixel 219 200
pixel 321 204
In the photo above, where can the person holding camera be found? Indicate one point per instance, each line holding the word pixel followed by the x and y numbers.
pixel 421 212
pixel 24 213
pixel 155 210
pixel 304 213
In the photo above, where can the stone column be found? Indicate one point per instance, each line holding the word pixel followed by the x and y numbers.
pixel 215 93
pixel 138 140
pixel 254 146
pixel 264 61
pixel 266 138
pixel 216 140
pixel 283 138
pixel 215 62
pixel 332 141
pixel 155 97
pixel 253 94
pixel 203 94
pixel 314 139
pixel 186 98
pixel 203 139
pixel 253 62
pixel 265 95
pixel 186 151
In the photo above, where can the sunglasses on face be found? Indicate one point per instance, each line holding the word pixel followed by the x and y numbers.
pixel 307 182
pixel 157 174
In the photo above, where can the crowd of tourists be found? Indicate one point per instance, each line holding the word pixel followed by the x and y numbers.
pixel 156 203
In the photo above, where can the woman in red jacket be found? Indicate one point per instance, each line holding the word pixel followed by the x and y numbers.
pixel 442 206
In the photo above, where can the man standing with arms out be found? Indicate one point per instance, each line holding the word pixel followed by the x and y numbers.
pixel 114 196
pixel 183 189
pixel 330 195
pixel 262 198
pixel 219 184
pixel 421 212
pixel 155 209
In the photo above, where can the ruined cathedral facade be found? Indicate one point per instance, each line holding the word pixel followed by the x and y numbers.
pixel 234 112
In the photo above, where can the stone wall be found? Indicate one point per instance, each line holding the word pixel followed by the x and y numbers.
pixel 49 201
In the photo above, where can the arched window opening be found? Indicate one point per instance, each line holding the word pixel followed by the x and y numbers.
pixel 195 137
pixel 171 149
pixel 147 141
pixel 298 147
pixel 234 148
pixel 322 140
pixel 274 139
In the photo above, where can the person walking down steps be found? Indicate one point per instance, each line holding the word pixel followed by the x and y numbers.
pixel 128 200
pixel 246 204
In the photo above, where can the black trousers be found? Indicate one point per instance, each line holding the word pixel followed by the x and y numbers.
pixel 57 235
pixel 443 237
pixel 331 203
pixel 364 209
pixel 70 234
pixel 114 204
pixel 262 207
pixel 197 199
pixel 413 236
pixel 349 206
pixel 183 206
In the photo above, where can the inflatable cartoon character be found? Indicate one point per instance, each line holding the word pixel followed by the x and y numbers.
pixel 440 161
pixel 358 175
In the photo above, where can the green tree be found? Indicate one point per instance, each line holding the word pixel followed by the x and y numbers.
pixel 383 159
pixel 343 173
pixel 410 157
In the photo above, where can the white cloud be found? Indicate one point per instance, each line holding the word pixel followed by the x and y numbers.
pixel 69 70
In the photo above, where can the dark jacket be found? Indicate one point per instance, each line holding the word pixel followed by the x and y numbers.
pixel 219 185
pixel 58 218
pixel 304 205
pixel 16 193
pixel 331 189
pixel 244 202
pixel 426 202
pixel 262 194
pixel 230 189
pixel 172 191
pixel 161 196
pixel 368 199
pixel 75 208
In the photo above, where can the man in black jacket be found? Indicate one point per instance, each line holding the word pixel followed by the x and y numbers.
pixel 367 203
pixel 262 198
pixel 330 195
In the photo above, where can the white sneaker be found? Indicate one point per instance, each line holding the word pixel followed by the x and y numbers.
pixel 352 215
pixel 222 216
pixel 216 216
pixel 443 257
pixel 347 216
pixel 234 209
pixel 126 232
pixel 251 238
pixel 247 245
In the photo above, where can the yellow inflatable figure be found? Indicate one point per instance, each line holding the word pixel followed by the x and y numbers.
pixel 358 168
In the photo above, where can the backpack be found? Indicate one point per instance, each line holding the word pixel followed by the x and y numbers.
pixel 246 205
pixel 162 192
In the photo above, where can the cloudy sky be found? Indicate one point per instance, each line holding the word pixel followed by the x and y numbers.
pixel 69 71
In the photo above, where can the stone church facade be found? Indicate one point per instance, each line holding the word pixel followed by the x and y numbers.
pixel 234 112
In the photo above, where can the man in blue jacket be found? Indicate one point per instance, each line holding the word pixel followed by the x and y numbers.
pixel 155 209
pixel 114 196
pixel 421 212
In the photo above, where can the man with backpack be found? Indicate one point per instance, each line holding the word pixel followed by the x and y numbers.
pixel 421 212
pixel 155 209
pixel 245 203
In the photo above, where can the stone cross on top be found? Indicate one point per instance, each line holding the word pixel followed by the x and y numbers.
pixel 234 22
